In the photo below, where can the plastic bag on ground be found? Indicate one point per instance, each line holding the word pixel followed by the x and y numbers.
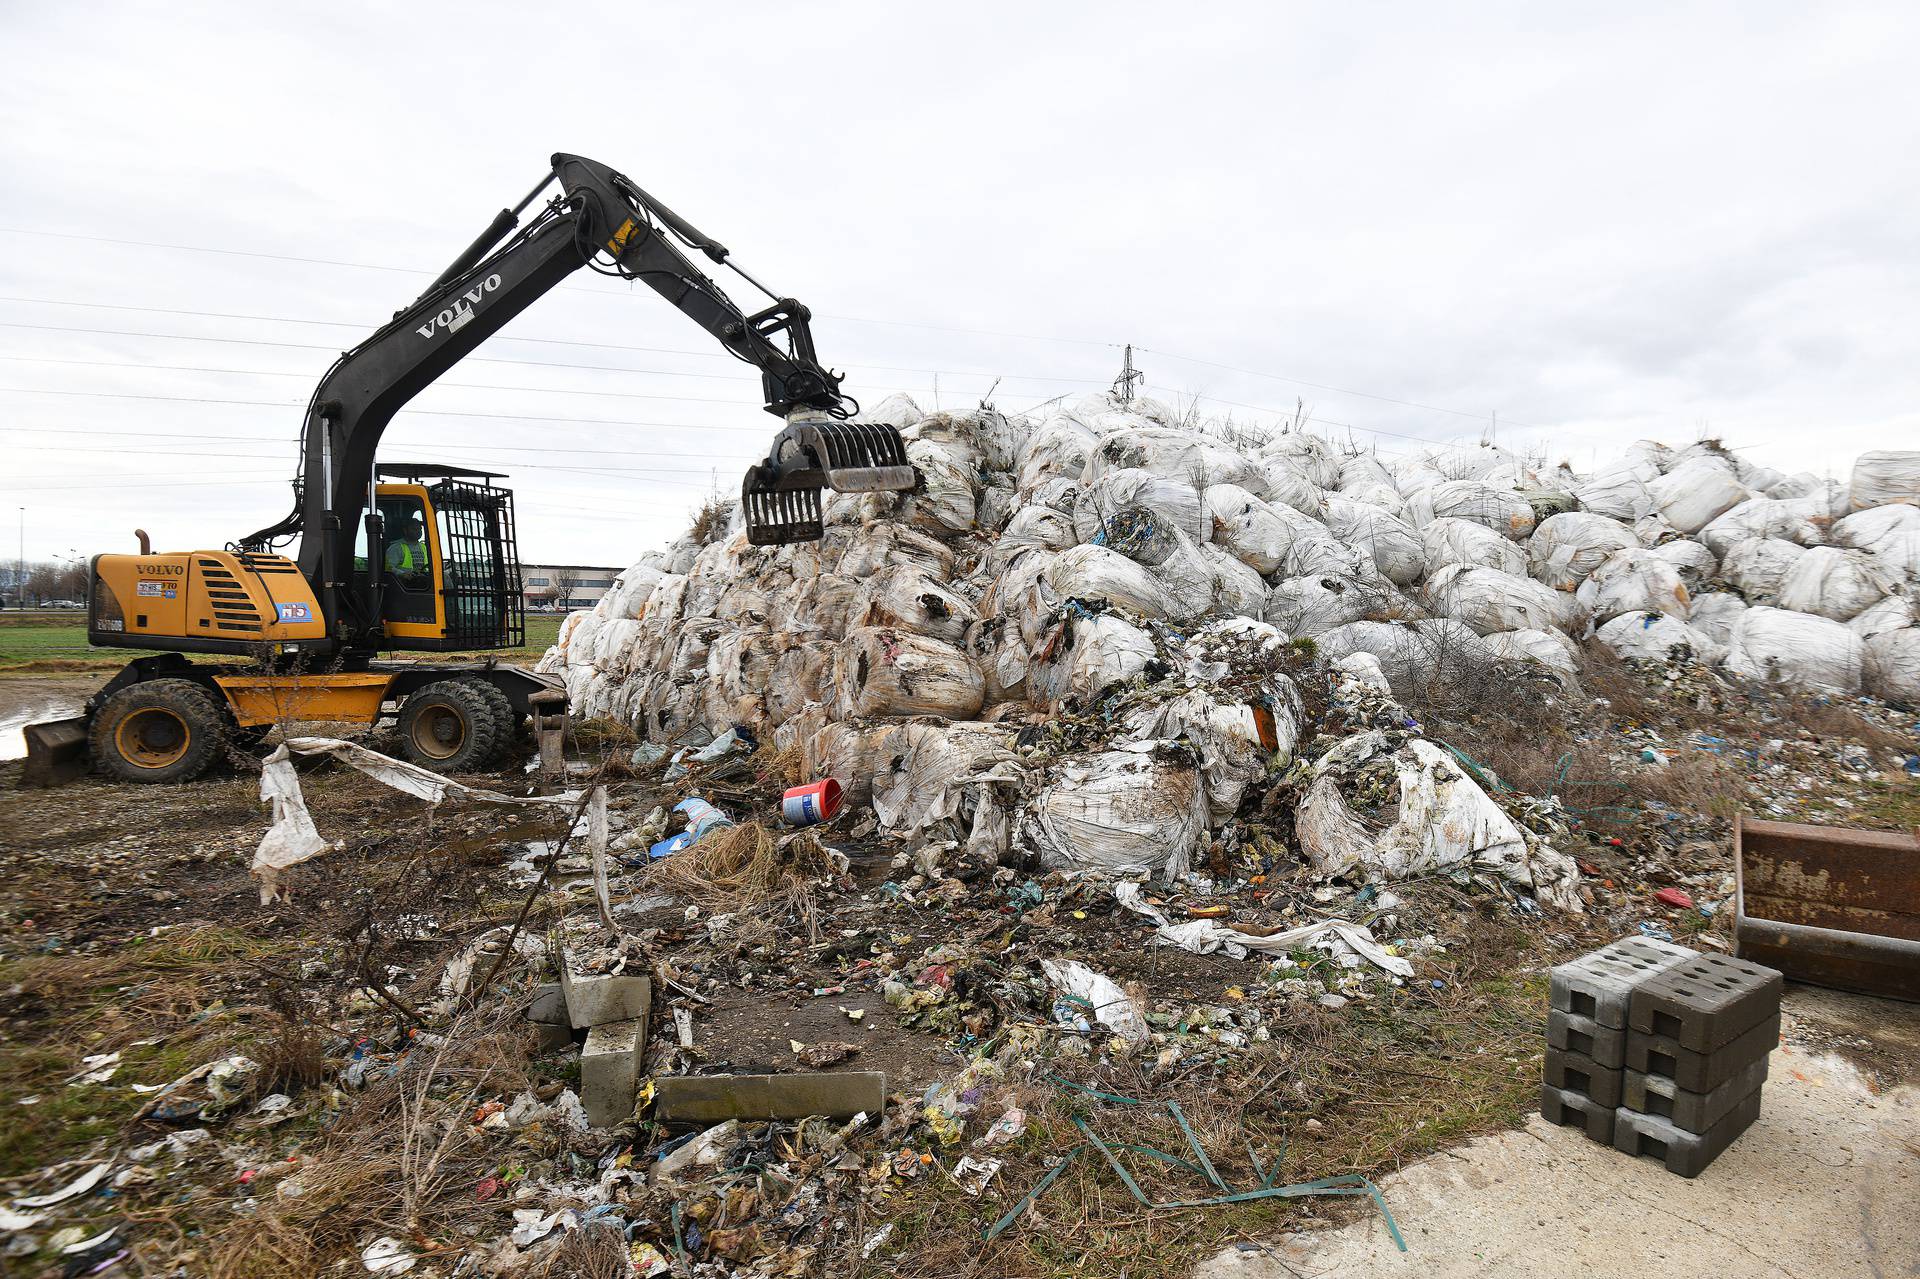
pixel 1139 806
pixel 1777 646
pixel 1564 549
pixel 1444 821
pixel 1834 583
pixel 896 674
pixel 1111 1006
pixel 1885 475
pixel 1697 492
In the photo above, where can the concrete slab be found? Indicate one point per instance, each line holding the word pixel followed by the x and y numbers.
pixel 1824 1184
pixel 596 1001
pixel 708 1099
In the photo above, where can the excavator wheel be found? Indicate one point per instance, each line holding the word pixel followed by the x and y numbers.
pixel 160 730
pixel 451 726
pixel 503 717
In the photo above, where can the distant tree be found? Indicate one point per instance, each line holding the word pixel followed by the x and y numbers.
pixel 43 582
pixel 564 580
pixel 72 582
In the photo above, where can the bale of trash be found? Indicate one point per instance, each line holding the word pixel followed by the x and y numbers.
pixel 1125 585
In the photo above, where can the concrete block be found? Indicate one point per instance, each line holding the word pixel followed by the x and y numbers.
pixel 1600 986
pixel 1572 1110
pixel 709 1099
pixel 1607 1045
pixel 1579 1073
pixel 1690 1111
pixel 595 1001
pixel 1706 1001
pixel 549 1038
pixel 1684 1153
pixel 548 1006
pixel 609 1070
pixel 1696 1071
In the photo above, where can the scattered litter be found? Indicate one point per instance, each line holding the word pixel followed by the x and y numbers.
pixel 1105 1001
pixel 388 1256
pixel 72 1190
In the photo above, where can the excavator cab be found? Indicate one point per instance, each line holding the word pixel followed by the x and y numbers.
pixel 448 573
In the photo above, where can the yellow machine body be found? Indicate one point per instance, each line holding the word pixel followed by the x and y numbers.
pixel 202 601
pixel 338 697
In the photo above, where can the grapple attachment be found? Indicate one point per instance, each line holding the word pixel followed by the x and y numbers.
pixel 781 496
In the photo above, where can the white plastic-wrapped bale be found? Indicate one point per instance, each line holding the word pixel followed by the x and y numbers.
pixel 1791 520
pixel 1085 655
pixel 1655 637
pixel 1834 583
pixel 1311 606
pixel 1757 568
pixel 1098 572
pixel 1285 482
pixel 1899 555
pixel 1171 499
pixel 1695 564
pixel 1253 531
pixel 883 544
pixel 1396 549
pixel 1892 666
pixel 1631 581
pixel 802 673
pixel 1238 590
pixel 628 595
pixel 1565 548
pixel 1502 510
pixel 1777 646
pixel 944 502
pixel 1864 530
pixel 1885 475
pixel 897 674
pixel 1032 526
pixel 1224 733
pixel 911 599
pixel 1308 455
pixel 1697 492
pixel 1488 601
pixel 1057 451
pixel 1618 492
pixel 1457 541
pixel 1140 806
pixel 933 773
pixel 1548 648
pixel 1715 615
pixel 1896 612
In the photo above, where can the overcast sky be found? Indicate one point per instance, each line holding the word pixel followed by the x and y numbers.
pixel 1597 222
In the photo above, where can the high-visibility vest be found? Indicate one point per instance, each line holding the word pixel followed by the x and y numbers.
pixel 406 557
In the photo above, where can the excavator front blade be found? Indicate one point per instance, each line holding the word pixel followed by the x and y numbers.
pixel 781 496
pixel 56 752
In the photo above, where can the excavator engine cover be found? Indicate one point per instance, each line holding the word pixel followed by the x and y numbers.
pixel 781 496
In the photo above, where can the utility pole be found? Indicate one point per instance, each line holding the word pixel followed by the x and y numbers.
pixel 1129 377
pixel 20 565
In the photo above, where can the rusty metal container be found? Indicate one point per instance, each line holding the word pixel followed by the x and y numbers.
pixel 1830 906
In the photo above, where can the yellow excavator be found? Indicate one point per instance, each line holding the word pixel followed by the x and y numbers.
pixel 423 558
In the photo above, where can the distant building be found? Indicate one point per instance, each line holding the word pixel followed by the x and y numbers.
pixel 567 586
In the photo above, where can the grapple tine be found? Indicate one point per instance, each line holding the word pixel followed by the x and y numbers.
pixel 781 496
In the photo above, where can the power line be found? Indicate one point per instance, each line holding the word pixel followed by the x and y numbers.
pixel 294 439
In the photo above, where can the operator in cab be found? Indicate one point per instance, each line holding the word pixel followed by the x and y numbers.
pixel 407 554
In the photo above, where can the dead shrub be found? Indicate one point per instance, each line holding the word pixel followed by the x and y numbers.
pixel 745 867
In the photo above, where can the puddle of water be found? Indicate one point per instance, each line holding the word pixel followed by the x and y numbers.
pixel 13 741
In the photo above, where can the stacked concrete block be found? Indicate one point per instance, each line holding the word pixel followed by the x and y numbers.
pixel 1659 1051
pixel 613 1011
pixel 1591 1001
pixel 1698 1037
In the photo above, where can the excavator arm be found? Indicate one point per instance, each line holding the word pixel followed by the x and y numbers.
pixel 601 219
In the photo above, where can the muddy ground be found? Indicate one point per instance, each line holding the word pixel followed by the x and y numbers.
pixel 129 924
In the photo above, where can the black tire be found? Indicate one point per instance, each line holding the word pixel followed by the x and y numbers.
pixel 449 726
pixel 160 730
pixel 507 723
